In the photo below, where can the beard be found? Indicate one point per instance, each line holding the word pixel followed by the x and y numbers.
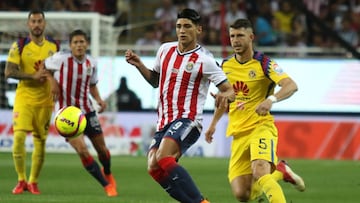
pixel 37 32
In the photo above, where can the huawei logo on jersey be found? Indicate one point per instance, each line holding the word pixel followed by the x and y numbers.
pixel 240 86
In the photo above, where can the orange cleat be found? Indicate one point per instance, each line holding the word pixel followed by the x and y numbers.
pixel 290 176
pixel 20 187
pixel 204 201
pixel 33 188
pixel 110 190
pixel 110 178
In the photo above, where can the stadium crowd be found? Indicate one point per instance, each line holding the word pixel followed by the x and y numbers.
pixel 276 22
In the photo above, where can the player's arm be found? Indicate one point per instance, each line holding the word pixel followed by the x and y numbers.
pixel 150 76
pixel 218 113
pixel 94 92
pixel 12 71
pixel 287 88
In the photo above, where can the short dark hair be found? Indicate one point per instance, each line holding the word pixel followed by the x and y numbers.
pixel 241 23
pixel 76 33
pixel 190 14
pixel 36 12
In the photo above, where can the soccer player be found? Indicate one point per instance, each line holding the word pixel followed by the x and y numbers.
pixel 75 80
pixel 253 161
pixel 182 71
pixel 34 103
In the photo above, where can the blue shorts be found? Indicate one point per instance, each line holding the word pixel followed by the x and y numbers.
pixel 184 131
pixel 93 126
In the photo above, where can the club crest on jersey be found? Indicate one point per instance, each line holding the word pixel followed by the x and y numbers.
pixel 278 69
pixel 252 74
pixel 189 66
pixel 88 69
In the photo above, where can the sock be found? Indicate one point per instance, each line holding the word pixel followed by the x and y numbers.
pixel 180 178
pixel 272 189
pixel 19 154
pixel 160 176
pixel 37 159
pixel 105 162
pixel 256 191
pixel 277 175
pixel 93 168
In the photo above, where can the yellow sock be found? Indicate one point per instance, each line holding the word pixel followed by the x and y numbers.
pixel 19 154
pixel 37 159
pixel 256 191
pixel 277 175
pixel 272 189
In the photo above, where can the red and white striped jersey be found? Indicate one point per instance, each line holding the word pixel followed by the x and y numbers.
pixel 74 78
pixel 184 82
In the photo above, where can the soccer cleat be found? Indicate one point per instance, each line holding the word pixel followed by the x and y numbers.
pixel 290 176
pixel 109 178
pixel 20 187
pixel 110 190
pixel 33 188
pixel 204 201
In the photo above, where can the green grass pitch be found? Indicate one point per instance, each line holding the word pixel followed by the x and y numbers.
pixel 63 179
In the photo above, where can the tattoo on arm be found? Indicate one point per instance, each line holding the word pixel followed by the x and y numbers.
pixel 12 71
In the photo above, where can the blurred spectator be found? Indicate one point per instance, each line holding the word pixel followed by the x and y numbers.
pixel 204 7
pixel 149 41
pixel 348 33
pixel 126 99
pixel 212 37
pixel 284 17
pixel 166 16
pixel 263 27
pixel 235 10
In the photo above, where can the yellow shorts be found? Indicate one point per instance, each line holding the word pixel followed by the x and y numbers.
pixel 259 143
pixel 32 119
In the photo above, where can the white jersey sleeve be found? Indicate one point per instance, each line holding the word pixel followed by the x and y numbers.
pixel 54 62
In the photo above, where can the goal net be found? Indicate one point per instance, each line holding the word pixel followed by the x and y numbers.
pixel 59 25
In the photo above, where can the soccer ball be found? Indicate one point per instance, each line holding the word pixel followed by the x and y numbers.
pixel 70 122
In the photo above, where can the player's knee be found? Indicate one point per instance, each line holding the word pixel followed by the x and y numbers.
pixel 242 195
pixel 260 168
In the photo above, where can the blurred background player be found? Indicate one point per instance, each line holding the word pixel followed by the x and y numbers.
pixel 76 79
pixel 182 72
pixel 253 151
pixel 33 104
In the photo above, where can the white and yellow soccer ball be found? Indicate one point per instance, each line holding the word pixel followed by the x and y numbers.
pixel 70 122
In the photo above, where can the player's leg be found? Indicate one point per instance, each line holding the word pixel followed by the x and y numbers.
pixel 94 132
pixel 159 174
pixel 263 156
pixel 90 164
pixel 180 136
pixel 41 125
pixel 239 170
pixel 104 157
pixel 19 157
pixel 22 123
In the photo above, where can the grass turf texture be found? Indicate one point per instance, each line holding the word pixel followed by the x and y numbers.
pixel 63 179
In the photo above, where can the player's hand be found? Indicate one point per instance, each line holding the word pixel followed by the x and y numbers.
pixel 40 74
pixel 209 134
pixel 132 58
pixel 102 106
pixel 264 107
pixel 54 88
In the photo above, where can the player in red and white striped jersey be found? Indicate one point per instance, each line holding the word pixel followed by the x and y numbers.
pixel 183 71
pixel 76 78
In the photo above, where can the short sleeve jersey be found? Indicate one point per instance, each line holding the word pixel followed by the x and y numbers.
pixel 184 82
pixel 253 82
pixel 74 78
pixel 26 53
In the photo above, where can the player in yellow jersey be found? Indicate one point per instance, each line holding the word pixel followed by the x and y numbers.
pixel 253 167
pixel 33 104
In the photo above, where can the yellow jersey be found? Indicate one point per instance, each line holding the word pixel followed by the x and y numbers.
pixel 253 82
pixel 26 53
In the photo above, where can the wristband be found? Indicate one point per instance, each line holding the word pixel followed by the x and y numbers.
pixel 272 98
